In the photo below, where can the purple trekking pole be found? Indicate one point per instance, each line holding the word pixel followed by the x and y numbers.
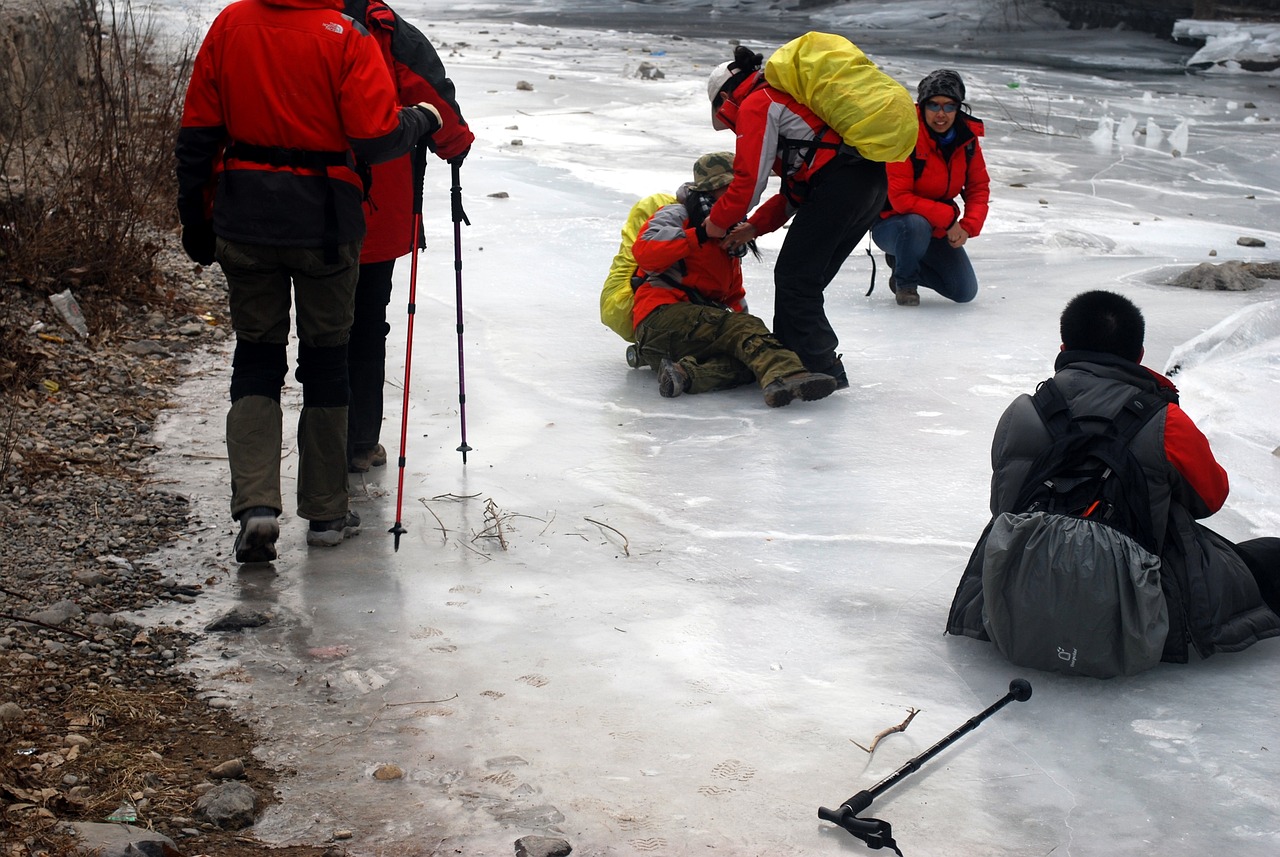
pixel 459 218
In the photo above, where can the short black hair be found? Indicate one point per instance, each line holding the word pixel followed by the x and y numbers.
pixel 1103 321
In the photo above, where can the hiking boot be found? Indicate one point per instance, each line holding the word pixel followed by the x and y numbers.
pixel 326 534
pixel 906 296
pixel 808 386
pixel 361 461
pixel 836 370
pixel 672 379
pixel 259 529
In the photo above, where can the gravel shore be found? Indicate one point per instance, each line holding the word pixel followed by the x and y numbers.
pixel 95 713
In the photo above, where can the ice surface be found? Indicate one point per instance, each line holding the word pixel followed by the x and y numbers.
pixel 657 626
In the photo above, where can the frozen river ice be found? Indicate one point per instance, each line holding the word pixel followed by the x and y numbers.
pixel 656 626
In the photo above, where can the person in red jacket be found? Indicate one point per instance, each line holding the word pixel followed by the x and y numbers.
pixel 923 230
pixel 691 323
pixel 833 192
pixel 287 98
pixel 419 76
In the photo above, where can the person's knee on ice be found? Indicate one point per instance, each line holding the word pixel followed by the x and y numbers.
pixel 944 187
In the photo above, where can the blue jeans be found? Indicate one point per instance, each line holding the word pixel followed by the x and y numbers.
pixel 922 260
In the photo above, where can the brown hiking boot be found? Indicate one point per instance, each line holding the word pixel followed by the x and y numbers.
pixel 364 459
pixel 906 295
pixel 808 386
pixel 672 379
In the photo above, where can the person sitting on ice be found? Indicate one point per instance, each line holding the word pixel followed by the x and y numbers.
pixel 689 311
pixel 1221 596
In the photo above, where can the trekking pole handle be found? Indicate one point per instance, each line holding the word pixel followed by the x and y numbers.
pixel 846 818
pixel 847 810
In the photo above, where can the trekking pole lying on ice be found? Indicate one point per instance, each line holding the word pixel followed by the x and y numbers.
pixel 419 174
pixel 459 218
pixel 879 834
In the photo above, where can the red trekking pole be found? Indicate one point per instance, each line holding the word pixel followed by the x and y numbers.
pixel 419 158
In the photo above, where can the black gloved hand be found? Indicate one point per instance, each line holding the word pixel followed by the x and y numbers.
pixel 456 160
pixel 432 115
pixel 199 242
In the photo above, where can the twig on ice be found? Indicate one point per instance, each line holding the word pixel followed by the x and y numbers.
pixel 901 727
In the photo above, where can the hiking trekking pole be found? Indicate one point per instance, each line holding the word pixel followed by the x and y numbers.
pixel 419 158
pixel 459 218
pixel 879 834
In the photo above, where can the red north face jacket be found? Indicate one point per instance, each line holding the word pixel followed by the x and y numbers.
pixel 281 93
pixel 419 76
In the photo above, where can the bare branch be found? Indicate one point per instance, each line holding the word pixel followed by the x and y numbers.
pixel 626 548
pixel 901 727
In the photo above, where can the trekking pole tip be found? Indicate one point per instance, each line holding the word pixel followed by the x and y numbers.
pixel 1020 689
pixel 398 530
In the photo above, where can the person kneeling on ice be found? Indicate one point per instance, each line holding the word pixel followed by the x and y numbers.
pixel 1095 562
pixel 923 231
pixel 691 323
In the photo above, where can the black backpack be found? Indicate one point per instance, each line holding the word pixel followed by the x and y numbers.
pixel 1071 577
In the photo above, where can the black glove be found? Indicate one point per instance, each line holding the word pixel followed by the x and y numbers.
pixel 199 241
pixel 456 160
pixel 432 115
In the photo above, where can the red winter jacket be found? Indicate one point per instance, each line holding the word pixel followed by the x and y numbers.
pixel 419 76
pixel 669 256
pixel 283 95
pixel 765 116
pixel 941 180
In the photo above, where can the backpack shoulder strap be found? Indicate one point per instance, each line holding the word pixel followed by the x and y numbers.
pixel 1052 407
pixel 1137 412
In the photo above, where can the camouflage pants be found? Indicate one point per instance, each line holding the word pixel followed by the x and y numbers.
pixel 718 348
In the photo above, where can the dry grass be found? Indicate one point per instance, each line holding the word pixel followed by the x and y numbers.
pixel 89 168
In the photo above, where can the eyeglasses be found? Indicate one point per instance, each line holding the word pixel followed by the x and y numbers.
pixel 934 107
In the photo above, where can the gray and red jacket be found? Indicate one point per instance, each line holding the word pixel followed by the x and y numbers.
pixel 284 95
pixel 1214 602
pixel 773 130
pixel 673 263
pixel 419 76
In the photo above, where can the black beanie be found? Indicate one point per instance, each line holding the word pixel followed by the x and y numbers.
pixel 944 82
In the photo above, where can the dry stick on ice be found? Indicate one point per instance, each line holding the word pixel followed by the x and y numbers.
pixel 626 546
pixel 901 727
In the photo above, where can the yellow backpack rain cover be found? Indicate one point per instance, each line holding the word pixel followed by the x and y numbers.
pixel 617 296
pixel 832 77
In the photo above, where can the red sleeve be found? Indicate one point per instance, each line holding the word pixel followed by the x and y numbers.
pixel 753 158
pixel 420 76
pixel 664 240
pixel 976 193
pixel 1188 451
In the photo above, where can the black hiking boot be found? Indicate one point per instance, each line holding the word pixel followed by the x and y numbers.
pixel 259 529
pixel 836 370
pixel 808 386
pixel 906 295
pixel 672 379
